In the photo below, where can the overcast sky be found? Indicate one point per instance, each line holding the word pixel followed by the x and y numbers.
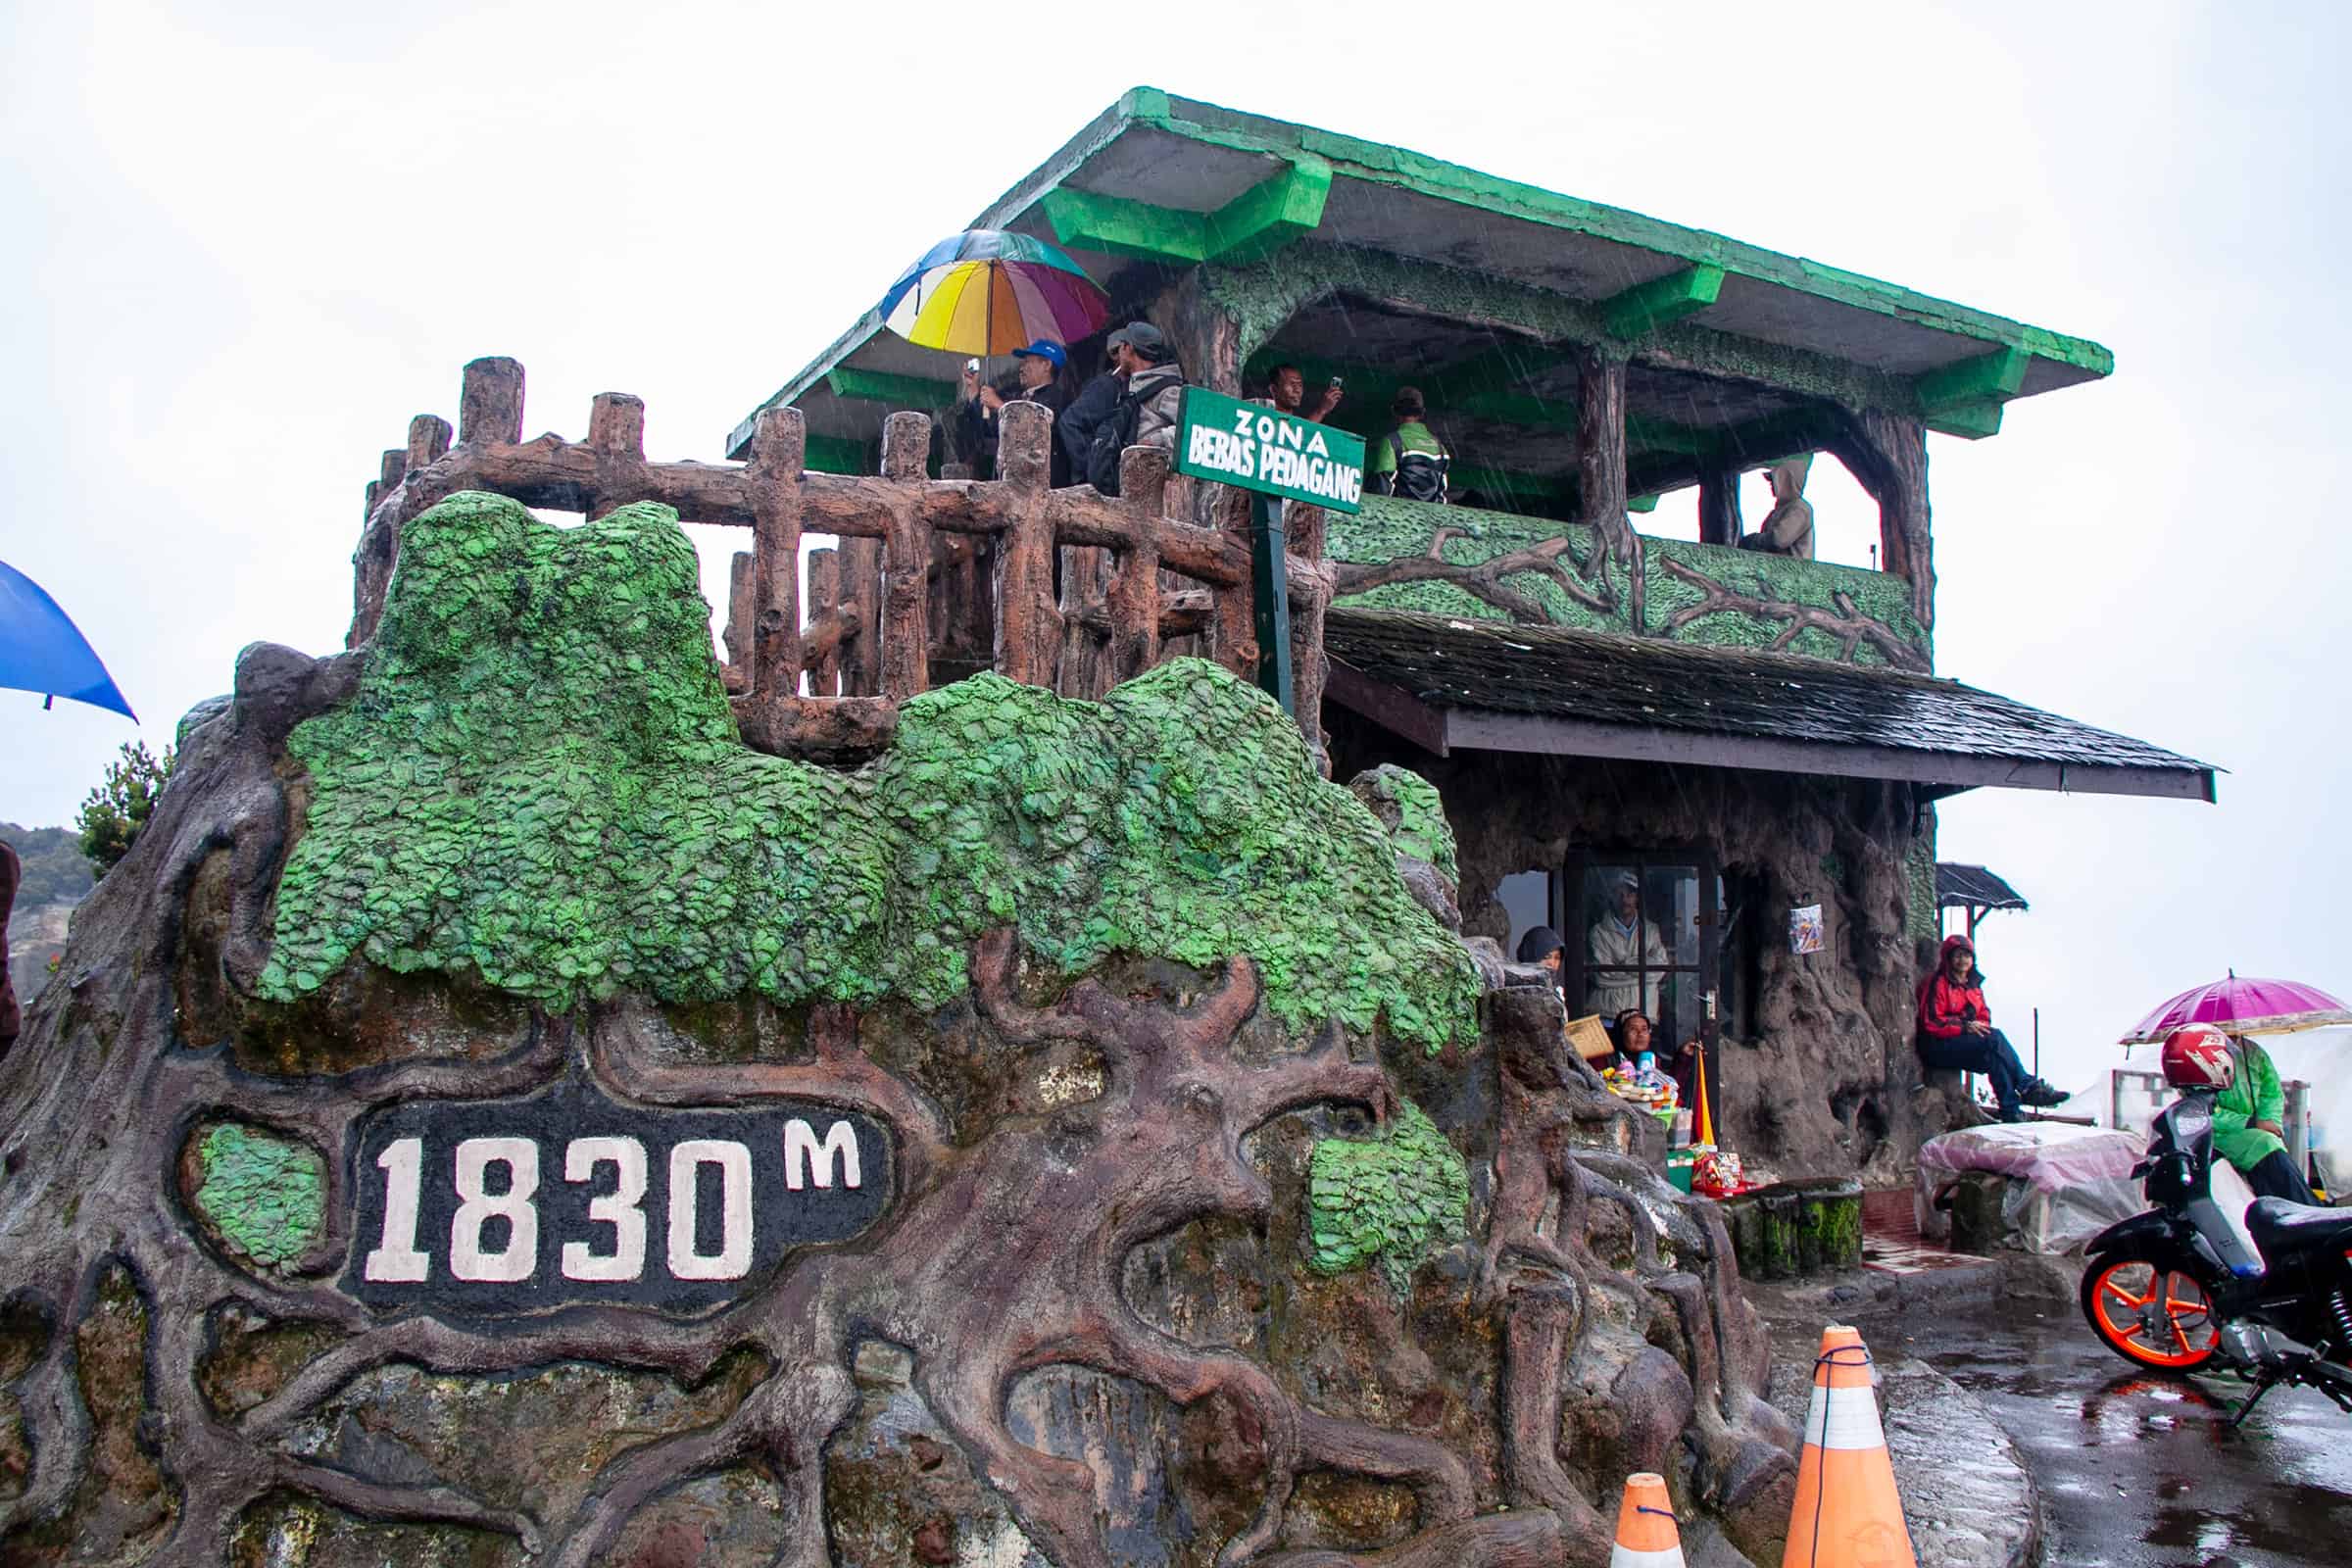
pixel 245 243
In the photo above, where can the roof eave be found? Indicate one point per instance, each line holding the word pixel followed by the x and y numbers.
pixel 1443 731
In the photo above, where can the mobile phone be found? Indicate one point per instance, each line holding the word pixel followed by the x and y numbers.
pixel 971 367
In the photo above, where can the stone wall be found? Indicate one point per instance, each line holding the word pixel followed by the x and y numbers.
pixel 1208 1197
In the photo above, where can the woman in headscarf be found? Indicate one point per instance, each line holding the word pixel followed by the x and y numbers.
pixel 1955 1031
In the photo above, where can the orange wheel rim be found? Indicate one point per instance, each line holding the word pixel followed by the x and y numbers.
pixel 2156 1316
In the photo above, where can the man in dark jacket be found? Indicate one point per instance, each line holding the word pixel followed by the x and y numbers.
pixel 1140 360
pixel 1037 368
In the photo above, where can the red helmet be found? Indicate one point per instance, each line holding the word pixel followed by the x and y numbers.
pixel 2198 1058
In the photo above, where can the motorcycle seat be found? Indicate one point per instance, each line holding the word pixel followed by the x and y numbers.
pixel 2297 1226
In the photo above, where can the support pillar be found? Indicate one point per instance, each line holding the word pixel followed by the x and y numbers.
pixel 1601 479
pixel 1719 507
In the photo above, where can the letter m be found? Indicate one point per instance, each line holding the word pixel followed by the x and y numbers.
pixel 805 1156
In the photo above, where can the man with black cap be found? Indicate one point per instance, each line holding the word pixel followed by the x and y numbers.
pixel 1038 373
pixel 1143 377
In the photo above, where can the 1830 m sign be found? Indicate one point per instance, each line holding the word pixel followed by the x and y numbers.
pixel 487 1207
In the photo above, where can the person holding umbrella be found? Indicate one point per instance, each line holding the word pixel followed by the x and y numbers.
pixel 2249 1118
pixel 2249 1126
pixel 1037 379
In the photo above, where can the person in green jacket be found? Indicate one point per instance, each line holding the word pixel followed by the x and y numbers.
pixel 1409 460
pixel 2248 1126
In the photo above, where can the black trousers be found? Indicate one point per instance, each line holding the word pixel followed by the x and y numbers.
pixel 2276 1176
pixel 1989 1053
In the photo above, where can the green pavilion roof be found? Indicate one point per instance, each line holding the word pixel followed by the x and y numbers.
pixel 1729 336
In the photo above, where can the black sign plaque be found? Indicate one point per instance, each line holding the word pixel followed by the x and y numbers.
pixel 495 1207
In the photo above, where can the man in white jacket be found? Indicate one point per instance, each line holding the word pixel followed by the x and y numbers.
pixel 1614 946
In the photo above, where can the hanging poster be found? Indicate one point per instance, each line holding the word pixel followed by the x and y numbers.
pixel 1804 929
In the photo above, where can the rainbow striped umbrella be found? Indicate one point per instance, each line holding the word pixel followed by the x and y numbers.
pixel 989 291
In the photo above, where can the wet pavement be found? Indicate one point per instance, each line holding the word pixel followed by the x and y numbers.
pixel 2133 1471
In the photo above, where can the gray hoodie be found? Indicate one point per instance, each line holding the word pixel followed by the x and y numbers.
pixel 1158 390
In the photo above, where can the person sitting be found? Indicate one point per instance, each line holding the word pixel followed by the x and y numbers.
pixel 1787 529
pixel 1630 1032
pixel 1409 460
pixel 1287 391
pixel 1956 1032
pixel 2248 1126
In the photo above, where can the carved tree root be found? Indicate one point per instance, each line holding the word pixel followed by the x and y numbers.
pixel 1484 580
pixel 1848 624
pixel 995 1259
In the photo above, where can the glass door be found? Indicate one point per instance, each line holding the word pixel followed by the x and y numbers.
pixel 1642 933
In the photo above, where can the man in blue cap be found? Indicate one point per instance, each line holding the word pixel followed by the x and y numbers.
pixel 1038 379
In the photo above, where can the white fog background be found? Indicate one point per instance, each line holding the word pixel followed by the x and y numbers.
pixel 243 244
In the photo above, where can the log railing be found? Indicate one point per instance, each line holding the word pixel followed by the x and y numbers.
pixel 931 575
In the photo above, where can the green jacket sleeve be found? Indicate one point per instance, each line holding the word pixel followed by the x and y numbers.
pixel 2257 1095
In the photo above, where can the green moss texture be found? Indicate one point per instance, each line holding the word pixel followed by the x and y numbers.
pixel 1389 1200
pixel 540 783
pixel 1409 808
pixel 1387 529
pixel 263 1196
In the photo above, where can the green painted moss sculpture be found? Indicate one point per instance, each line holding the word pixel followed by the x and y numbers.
pixel 540 783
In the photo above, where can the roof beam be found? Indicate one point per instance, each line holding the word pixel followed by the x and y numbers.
pixel 1964 398
pixel 1970 421
pixel 887 386
pixel 839 454
pixel 1254 224
pixel 1662 301
pixel 1998 374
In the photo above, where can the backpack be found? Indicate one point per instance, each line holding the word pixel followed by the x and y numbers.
pixel 1114 435
pixel 1419 476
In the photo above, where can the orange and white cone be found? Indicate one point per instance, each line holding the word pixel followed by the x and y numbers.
pixel 1645 1532
pixel 1847 1514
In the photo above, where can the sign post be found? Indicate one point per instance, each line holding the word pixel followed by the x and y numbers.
pixel 1278 456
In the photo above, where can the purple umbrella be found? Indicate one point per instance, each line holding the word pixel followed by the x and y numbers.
pixel 2247 1006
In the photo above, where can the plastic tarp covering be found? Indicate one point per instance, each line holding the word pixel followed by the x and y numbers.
pixel 2065 1184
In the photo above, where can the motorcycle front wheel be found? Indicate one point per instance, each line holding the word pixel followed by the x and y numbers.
pixel 2150 1315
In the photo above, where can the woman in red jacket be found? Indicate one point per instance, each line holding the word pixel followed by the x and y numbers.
pixel 1955 1031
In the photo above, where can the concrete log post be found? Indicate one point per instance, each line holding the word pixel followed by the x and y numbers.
pixel 1134 599
pixel 1233 618
pixel 906 652
pixel 490 404
pixel 743 612
pixel 428 440
pixel 1028 630
pixel 824 594
pixel 779 444
pixel 617 435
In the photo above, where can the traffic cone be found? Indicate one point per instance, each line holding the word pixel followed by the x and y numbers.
pixel 1702 1125
pixel 1645 1532
pixel 1847 1514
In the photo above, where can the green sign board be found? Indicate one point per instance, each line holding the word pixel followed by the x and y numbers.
pixel 1251 446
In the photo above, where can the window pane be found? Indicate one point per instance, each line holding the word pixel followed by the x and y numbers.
pixel 1683 999
pixel 1526 897
pixel 1670 895
pixel 1620 939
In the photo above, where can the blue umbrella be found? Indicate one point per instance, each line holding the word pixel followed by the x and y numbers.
pixel 43 651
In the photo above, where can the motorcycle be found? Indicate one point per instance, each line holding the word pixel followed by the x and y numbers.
pixel 2177 1287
